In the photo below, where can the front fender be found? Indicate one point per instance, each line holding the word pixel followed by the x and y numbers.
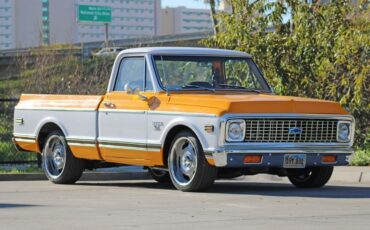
pixel 194 125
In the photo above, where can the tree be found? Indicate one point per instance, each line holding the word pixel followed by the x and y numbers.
pixel 322 52
pixel 212 9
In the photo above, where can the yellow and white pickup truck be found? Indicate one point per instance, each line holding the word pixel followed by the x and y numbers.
pixel 189 115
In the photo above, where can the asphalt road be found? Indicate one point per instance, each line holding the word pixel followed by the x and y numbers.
pixel 149 205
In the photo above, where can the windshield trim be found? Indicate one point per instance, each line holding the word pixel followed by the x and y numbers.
pixel 157 76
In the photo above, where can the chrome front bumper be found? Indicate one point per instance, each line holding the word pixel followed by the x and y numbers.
pixel 273 157
pixel 232 154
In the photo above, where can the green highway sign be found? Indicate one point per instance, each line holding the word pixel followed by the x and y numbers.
pixel 90 13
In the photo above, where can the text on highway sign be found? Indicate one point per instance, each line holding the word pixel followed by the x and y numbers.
pixel 90 13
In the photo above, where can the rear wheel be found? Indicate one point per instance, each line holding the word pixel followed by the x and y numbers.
pixel 160 176
pixel 188 167
pixel 311 178
pixel 59 164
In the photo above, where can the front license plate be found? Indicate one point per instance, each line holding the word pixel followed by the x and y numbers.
pixel 294 160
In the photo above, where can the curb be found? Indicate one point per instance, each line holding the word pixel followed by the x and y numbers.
pixel 354 175
pixel 344 174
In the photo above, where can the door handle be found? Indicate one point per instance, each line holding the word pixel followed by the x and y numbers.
pixel 109 105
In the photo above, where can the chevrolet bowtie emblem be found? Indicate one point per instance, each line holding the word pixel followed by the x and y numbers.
pixel 295 130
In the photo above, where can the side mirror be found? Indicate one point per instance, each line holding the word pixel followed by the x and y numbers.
pixel 128 89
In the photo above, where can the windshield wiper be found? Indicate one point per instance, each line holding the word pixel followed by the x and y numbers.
pixel 231 86
pixel 253 90
pixel 197 87
pixel 240 87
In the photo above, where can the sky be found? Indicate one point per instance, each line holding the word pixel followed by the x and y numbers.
pixel 199 4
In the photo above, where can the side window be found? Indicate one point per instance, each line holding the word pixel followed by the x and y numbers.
pixel 131 73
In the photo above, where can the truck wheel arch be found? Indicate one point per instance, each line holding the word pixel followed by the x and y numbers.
pixel 44 129
pixel 170 134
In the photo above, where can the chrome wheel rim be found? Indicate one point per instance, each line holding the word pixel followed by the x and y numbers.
pixel 183 161
pixel 54 156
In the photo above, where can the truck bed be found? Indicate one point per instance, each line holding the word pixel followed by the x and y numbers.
pixel 59 102
pixel 76 115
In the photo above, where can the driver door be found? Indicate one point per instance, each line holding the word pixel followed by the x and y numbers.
pixel 123 117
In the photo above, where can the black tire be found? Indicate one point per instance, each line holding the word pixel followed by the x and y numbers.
pixel 311 178
pixel 72 167
pixel 160 176
pixel 203 174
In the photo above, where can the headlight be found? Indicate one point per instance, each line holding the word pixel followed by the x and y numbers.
pixel 235 130
pixel 344 131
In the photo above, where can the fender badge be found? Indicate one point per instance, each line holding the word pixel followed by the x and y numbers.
pixel 157 125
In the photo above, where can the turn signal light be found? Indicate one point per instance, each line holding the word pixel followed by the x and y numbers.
pixel 252 159
pixel 329 159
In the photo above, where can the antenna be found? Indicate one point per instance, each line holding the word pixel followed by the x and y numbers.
pixel 165 77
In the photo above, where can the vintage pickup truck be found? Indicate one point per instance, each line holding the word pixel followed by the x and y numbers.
pixel 190 116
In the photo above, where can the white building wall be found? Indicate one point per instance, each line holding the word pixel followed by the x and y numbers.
pixel 184 20
pixel 193 20
pixel 62 21
pixel 20 23
pixel 27 23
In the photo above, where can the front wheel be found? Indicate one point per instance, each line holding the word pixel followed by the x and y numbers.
pixel 188 168
pixel 59 164
pixel 310 178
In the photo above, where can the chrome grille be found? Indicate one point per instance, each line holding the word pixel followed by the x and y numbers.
pixel 282 130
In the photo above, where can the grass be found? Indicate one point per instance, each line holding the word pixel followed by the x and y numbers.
pixel 11 87
pixel 9 153
pixel 31 169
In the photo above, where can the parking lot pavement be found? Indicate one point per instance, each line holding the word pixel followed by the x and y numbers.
pixel 148 205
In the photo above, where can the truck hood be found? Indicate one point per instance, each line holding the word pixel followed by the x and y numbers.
pixel 252 103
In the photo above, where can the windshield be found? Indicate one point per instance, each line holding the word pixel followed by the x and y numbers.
pixel 209 73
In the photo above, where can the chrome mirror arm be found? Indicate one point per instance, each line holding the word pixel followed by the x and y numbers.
pixel 136 92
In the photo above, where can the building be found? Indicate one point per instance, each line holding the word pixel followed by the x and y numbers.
pixel 6 24
pixel 183 20
pixel 130 18
pixel 20 23
pixel 31 23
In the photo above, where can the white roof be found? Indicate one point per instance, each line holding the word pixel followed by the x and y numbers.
pixel 185 51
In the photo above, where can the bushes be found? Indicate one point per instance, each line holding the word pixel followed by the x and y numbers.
pixel 361 157
pixel 65 75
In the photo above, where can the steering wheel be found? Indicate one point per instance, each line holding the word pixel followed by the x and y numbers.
pixel 234 81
